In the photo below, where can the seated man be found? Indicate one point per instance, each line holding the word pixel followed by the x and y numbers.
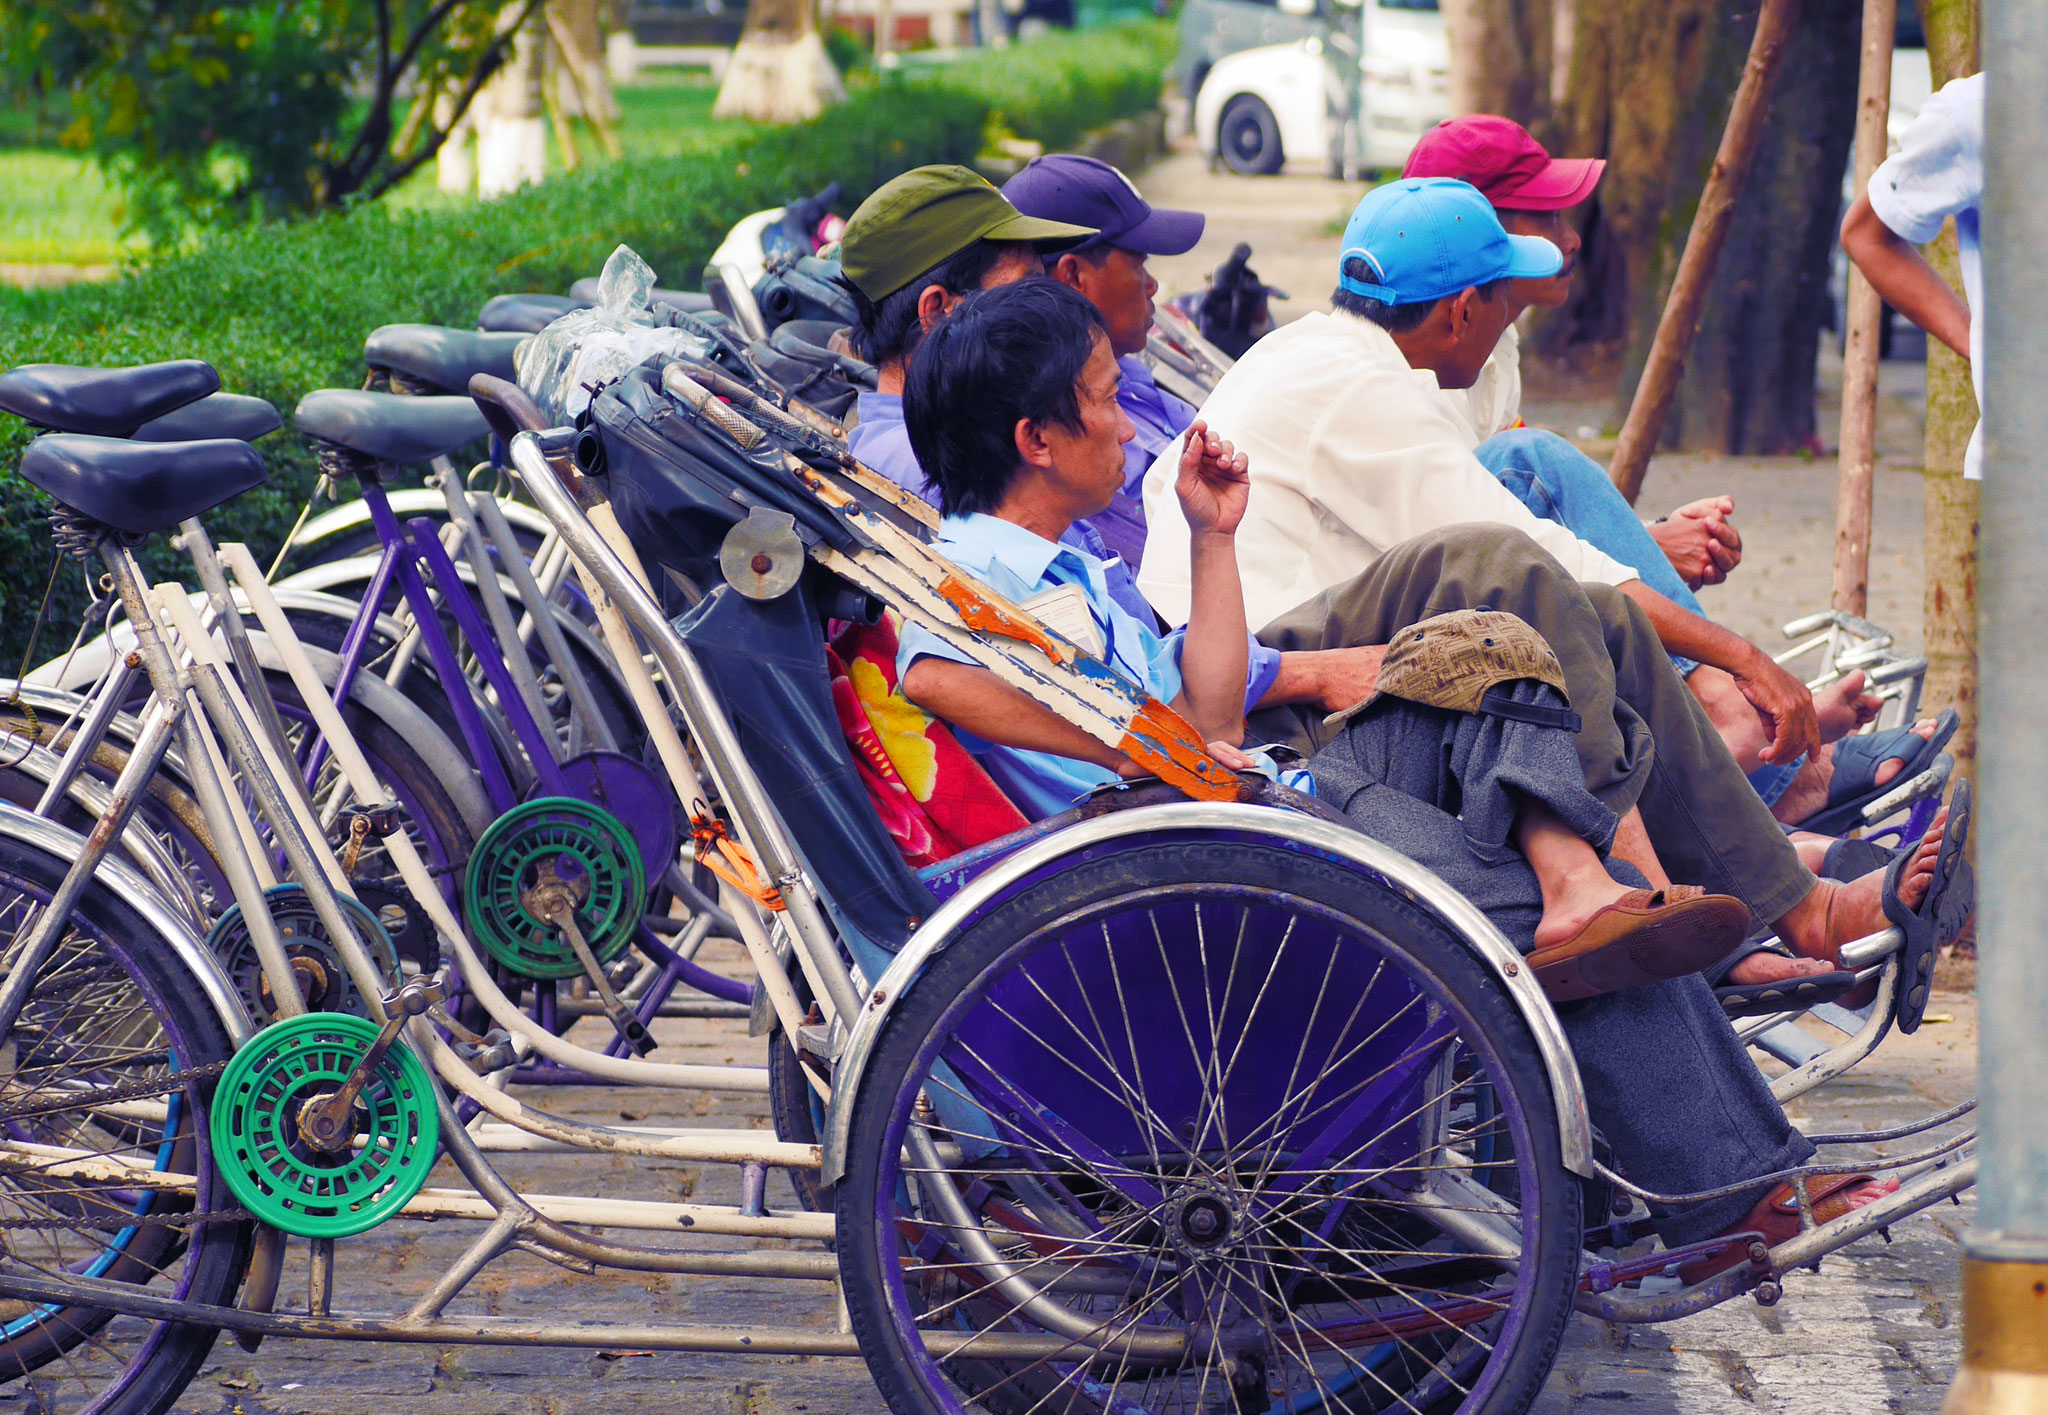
pixel 1345 418
pixel 1110 272
pixel 918 244
pixel 1531 193
pixel 1011 405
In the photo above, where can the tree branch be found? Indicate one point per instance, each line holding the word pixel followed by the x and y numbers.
pixel 493 60
pixel 376 129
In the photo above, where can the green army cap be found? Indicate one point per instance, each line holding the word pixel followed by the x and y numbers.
pixel 1455 660
pixel 930 214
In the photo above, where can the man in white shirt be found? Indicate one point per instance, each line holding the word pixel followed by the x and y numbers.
pixel 1937 173
pixel 1356 449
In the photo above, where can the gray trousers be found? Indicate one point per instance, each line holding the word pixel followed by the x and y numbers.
pixel 1682 1107
pixel 1646 741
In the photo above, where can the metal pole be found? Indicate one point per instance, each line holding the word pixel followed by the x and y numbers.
pixel 2005 1257
pixel 1858 457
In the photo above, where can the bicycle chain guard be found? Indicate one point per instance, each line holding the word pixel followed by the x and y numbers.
pixel 552 843
pixel 292 1184
pixel 324 983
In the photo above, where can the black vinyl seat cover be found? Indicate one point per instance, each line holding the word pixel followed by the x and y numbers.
pixel 104 402
pixel 140 487
pixel 389 427
pixel 526 313
pixel 440 357
pixel 235 415
pixel 688 301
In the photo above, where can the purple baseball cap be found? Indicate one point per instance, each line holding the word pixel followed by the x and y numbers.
pixel 1084 192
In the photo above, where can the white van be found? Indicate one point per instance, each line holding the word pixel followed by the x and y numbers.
pixel 1327 98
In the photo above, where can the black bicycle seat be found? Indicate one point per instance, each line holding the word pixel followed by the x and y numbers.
pixel 106 402
pixel 140 487
pixel 233 415
pixel 388 427
pixel 438 357
pixel 688 301
pixel 526 314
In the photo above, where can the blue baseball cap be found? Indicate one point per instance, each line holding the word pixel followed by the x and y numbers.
pixel 1082 191
pixel 1427 237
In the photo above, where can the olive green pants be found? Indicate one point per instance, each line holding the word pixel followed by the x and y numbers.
pixel 1646 742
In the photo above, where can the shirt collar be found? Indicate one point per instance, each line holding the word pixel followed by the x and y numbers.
pixel 879 407
pixel 1133 370
pixel 977 541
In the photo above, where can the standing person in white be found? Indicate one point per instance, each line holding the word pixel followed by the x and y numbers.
pixel 1937 173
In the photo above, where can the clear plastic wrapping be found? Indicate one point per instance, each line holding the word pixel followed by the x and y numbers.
pixel 565 364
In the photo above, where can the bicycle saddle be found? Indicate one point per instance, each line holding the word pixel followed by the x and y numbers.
pixel 388 427
pixel 526 314
pixel 688 301
pixel 216 415
pixel 106 402
pixel 439 357
pixel 140 487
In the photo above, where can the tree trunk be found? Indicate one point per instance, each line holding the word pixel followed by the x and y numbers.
pixel 1650 91
pixel 1500 54
pixel 780 72
pixel 511 134
pixel 579 29
pixel 1950 546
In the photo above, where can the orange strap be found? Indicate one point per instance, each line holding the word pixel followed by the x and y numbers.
pixel 1163 742
pixel 731 863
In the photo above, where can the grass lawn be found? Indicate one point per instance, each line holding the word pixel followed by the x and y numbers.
pixel 56 209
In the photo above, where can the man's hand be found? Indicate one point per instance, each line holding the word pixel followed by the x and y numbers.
pixel 1699 541
pixel 1348 676
pixel 1233 757
pixel 1785 705
pixel 1213 486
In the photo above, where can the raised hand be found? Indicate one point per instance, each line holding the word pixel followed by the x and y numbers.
pixel 1214 487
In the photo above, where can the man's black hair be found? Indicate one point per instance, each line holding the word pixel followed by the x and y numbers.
pixel 1003 356
pixel 889 328
pixel 1395 319
pixel 1096 253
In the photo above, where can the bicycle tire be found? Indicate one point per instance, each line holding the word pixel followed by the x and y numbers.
pixel 892 1283
pixel 114 953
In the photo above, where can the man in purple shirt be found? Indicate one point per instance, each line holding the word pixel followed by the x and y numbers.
pixel 1110 272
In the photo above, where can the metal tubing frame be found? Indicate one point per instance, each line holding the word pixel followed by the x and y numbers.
pixel 2012 869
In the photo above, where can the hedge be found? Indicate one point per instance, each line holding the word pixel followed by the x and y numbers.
pixel 283 309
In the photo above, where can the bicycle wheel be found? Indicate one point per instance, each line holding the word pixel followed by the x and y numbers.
pixel 112 1010
pixel 1206 1125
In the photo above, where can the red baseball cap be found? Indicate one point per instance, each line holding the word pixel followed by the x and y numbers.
pixel 1510 168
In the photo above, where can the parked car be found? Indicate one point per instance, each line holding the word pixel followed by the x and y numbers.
pixel 1338 87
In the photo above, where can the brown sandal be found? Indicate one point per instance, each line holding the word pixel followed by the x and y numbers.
pixel 1776 1217
pixel 1646 936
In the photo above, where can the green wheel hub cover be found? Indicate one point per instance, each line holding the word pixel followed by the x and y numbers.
pixel 287 1182
pixel 554 838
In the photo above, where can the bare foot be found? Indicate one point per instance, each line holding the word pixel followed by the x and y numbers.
pixel 1836 913
pixel 1842 706
pixel 1573 901
pixel 1808 792
pixel 1774 968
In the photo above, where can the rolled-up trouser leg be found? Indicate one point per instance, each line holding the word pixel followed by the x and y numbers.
pixel 1679 1101
pixel 1645 736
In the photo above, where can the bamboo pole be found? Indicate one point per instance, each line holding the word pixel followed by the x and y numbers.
pixel 1857 464
pixel 1703 245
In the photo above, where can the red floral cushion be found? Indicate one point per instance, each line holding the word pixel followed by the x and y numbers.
pixel 932 795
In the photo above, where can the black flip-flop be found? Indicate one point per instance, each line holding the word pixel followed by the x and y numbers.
pixel 1951 899
pixel 1786 994
pixel 1853 859
pixel 1854 784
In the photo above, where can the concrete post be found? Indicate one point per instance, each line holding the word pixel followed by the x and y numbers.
pixel 2005 1263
